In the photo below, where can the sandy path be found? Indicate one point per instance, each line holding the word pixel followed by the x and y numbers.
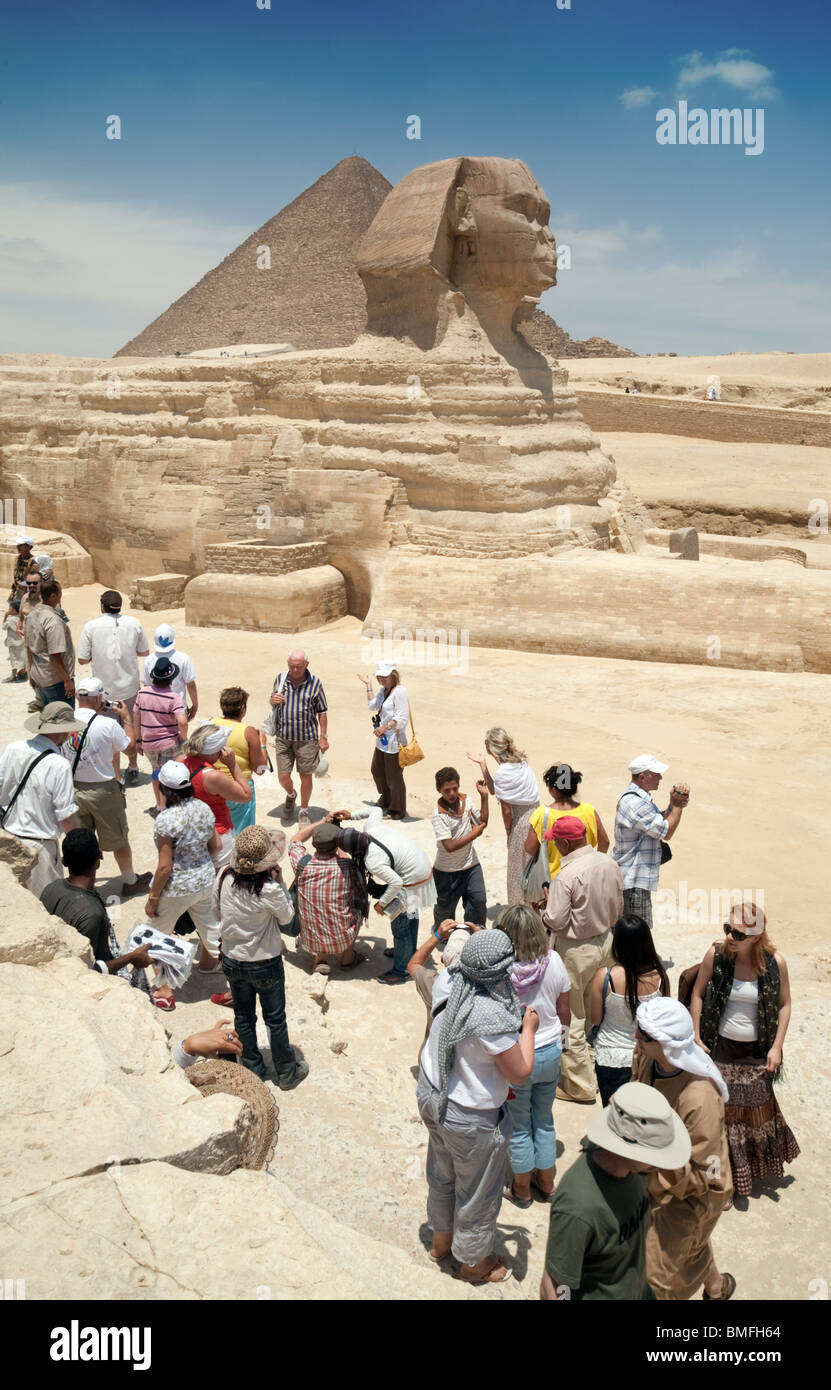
pixel 752 746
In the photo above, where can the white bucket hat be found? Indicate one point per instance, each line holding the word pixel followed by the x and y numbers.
pixel 640 1123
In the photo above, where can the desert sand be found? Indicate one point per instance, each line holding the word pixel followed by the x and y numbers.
pixel 799 381
pixel 343 1210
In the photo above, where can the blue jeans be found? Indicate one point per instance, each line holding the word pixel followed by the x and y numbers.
pixel 48 693
pixel 263 979
pixel 534 1141
pixel 467 884
pixel 405 940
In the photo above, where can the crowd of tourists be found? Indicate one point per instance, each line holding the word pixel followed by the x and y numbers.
pixel 563 997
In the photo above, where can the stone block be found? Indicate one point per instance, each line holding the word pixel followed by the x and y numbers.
pixel 684 543
pixel 267 603
pixel 155 592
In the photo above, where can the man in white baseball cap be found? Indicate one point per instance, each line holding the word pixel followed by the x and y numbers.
pixel 600 1210
pixel 164 644
pixel 93 756
pixel 642 832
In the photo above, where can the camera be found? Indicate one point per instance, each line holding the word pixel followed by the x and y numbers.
pixel 109 704
pixel 376 721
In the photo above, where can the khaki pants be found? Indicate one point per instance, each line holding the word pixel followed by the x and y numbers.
pixel 582 960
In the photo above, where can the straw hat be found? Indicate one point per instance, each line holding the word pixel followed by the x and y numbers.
pixel 640 1123
pixel 259 1136
pixel 55 718
pixel 257 849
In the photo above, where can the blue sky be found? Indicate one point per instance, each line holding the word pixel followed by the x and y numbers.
pixel 229 111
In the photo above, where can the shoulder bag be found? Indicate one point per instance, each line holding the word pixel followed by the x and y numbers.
pixel 536 875
pixel 411 753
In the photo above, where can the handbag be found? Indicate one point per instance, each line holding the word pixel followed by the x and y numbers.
pixel 411 753
pixel 536 875
pixel 591 1033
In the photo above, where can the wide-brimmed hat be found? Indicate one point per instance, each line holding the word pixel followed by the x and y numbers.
pixel 55 718
pixel 321 767
pixel 639 1123
pixel 257 849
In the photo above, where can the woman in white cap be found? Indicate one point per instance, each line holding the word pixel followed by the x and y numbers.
pixel 741 1008
pixel 252 904
pixel 390 710
pixel 599 1214
pixel 186 841
pixel 515 787
pixel 208 760
pixel 686 1203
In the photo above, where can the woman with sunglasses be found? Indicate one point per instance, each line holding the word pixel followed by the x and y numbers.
pixel 741 1007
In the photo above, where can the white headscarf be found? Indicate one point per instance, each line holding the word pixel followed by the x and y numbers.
pixel 670 1024
pixel 213 743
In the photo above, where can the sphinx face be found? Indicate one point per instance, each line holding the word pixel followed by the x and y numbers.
pixel 502 239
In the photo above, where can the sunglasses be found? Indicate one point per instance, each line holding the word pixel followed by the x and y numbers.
pixel 36 585
pixel 730 930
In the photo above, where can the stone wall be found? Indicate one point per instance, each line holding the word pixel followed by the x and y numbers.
pixel 249 557
pixel 607 411
pixel 267 603
pixel 156 592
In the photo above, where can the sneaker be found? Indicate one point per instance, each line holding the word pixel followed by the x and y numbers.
pixel 288 808
pixel 303 817
pixel 131 776
pixel 288 1080
pixel 141 885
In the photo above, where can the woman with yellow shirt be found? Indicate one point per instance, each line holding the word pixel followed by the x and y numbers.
pixel 246 743
pixel 562 782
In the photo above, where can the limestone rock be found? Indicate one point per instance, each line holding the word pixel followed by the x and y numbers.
pixel 28 934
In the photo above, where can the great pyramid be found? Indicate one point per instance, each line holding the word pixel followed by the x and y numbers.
pixel 312 296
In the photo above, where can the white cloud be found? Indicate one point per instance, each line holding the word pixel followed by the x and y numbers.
pixel 733 67
pixel 591 245
pixel 83 276
pixel 633 97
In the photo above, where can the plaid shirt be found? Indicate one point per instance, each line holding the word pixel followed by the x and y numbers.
pixel 639 830
pixel 296 720
pixel 328 922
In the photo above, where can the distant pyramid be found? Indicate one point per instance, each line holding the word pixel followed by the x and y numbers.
pixel 311 297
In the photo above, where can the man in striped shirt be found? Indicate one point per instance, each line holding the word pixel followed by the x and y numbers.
pixel 640 829
pixel 300 722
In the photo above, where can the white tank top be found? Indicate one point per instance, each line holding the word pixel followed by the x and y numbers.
pixel 740 1020
pixel 615 1042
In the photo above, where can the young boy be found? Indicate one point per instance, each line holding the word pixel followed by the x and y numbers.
pixel 457 872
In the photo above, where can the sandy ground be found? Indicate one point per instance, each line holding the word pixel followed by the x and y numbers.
pixel 752 747
pixel 780 379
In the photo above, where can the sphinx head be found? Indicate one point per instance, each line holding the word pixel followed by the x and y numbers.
pixel 475 226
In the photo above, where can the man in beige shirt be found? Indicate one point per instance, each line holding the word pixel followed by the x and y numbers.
pixel 585 899
pixel 50 652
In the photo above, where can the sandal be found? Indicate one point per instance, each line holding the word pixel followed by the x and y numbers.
pixel 522 1202
pixel 487 1278
pixel 359 960
pixel 164 1002
pixel 541 1190
pixel 728 1288
pixel 223 1000
pixel 389 978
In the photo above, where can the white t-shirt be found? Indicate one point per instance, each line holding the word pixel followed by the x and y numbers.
pixel 475 1082
pixel 449 827
pixel 186 672
pixel 47 798
pixel 543 998
pixel 100 743
pixel 113 643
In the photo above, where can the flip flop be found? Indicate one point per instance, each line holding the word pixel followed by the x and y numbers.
pixel 486 1278
pixel 224 1000
pixel 164 1003
pixel 522 1202
pixel 359 960
pixel 541 1190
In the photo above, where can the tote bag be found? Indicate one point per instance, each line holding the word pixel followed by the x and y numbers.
pixel 536 875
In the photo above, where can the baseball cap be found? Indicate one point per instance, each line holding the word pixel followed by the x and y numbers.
pixel 173 775
pixel 647 762
pixel 384 668
pixel 24 540
pixel 566 828
pixel 325 835
pixel 164 639
pixel 90 685
pixel 111 598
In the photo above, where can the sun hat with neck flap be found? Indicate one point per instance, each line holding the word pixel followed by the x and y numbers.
pixel 55 718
